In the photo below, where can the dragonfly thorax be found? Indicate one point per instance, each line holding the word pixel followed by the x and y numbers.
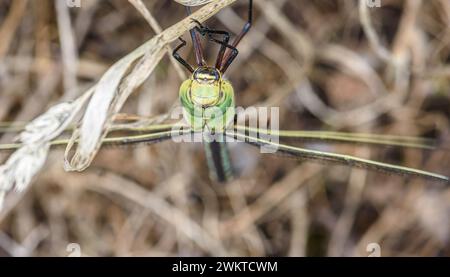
pixel 208 100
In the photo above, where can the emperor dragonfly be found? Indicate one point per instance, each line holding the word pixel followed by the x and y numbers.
pixel 207 90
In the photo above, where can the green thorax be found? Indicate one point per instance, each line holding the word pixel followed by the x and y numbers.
pixel 208 101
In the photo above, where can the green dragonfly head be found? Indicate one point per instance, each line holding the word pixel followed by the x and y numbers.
pixel 205 87
pixel 208 100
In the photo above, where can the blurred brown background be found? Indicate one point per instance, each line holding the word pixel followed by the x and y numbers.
pixel 327 64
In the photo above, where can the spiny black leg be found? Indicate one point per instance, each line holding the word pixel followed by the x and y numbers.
pixel 196 43
pixel 179 58
pixel 247 25
pixel 223 47
pixel 223 43
pixel 233 54
pixel 244 31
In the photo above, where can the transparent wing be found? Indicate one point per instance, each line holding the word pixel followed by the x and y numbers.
pixel 338 158
pixel 149 138
pixel 11 127
pixel 122 122
pixel 386 140
pixel 126 125
pixel 134 123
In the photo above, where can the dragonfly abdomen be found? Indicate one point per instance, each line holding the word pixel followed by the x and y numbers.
pixel 219 163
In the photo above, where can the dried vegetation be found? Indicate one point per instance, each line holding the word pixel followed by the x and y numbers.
pixel 331 65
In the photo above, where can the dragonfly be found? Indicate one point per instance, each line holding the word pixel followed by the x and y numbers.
pixel 208 103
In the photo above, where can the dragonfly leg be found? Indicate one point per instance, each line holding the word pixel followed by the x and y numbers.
pixel 233 54
pixel 198 50
pixel 177 56
pixel 203 30
pixel 247 25
pixel 244 31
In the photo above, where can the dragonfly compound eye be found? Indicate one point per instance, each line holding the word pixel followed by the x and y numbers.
pixel 205 89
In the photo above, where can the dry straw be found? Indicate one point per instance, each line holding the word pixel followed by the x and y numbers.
pixel 26 162
pixel 106 99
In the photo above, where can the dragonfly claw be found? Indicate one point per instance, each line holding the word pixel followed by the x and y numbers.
pixel 202 29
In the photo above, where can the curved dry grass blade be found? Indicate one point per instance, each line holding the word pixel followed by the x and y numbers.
pixel 339 158
pixel 140 6
pixel 116 85
pixel 371 34
pixel 51 124
pixel 21 167
pixel 25 163
pixel 193 3
pixel 126 189
pixel 48 125
pixel 387 140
